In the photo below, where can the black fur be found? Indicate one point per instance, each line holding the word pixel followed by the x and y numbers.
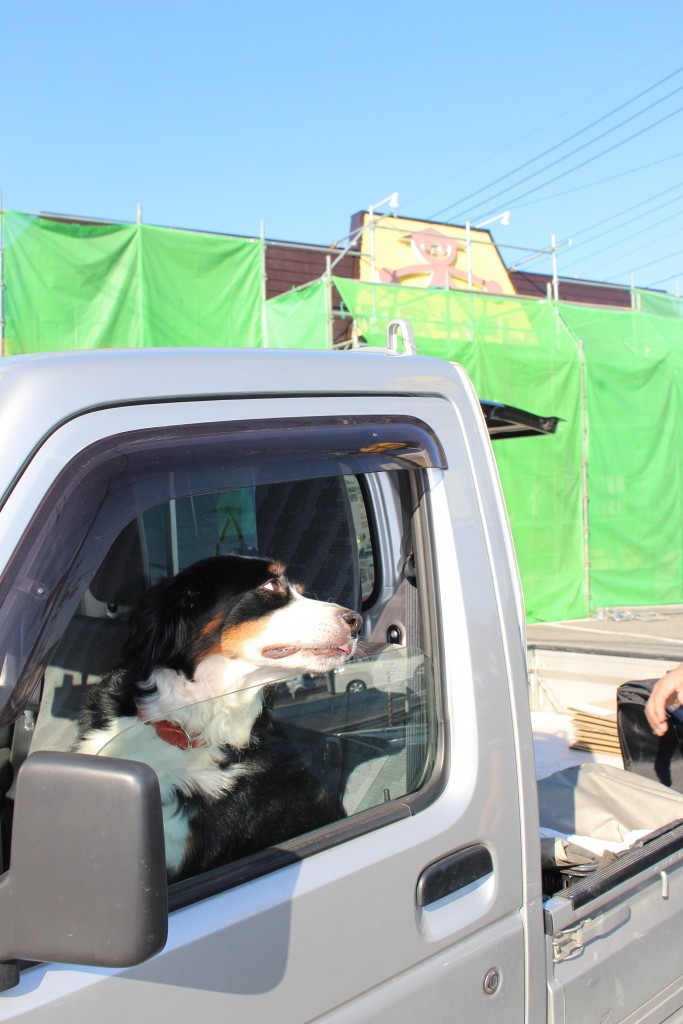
pixel 283 798
pixel 283 794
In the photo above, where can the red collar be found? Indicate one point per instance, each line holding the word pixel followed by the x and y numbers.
pixel 176 735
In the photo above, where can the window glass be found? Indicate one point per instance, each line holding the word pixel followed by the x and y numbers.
pixel 293 753
pixel 182 531
pixel 361 521
pixel 224 522
pixel 335 745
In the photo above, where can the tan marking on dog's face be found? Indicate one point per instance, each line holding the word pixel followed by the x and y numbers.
pixel 235 641
pixel 276 568
pixel 300 588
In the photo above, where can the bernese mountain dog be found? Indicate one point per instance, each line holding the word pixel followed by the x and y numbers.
pixel 191 698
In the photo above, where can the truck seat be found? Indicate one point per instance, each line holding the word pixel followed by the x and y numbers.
pixel 91 645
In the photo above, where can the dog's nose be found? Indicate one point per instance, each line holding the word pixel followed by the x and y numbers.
pixel 354 621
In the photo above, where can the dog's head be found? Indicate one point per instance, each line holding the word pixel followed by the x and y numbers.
pixel 241 608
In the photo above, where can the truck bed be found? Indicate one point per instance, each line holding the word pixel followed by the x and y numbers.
pixel 553 736
pixel 560 680
pixel 563 676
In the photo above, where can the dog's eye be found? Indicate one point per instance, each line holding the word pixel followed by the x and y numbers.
pixel 275 585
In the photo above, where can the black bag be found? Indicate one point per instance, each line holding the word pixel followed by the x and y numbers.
pixel 656 757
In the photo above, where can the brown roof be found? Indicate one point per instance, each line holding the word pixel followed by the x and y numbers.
pixel 591 293
pixel 290 265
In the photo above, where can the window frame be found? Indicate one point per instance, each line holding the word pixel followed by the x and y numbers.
pixel 371 445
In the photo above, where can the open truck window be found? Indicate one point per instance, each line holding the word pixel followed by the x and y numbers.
pixel 345 744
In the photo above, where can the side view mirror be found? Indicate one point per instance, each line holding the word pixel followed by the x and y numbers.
pixel 87 878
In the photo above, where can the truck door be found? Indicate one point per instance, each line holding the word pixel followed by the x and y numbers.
pixel 410 905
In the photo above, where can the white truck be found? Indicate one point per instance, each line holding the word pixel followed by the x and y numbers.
pixel 427 900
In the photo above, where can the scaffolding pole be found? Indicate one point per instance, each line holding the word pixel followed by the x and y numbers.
pixel 329 303
pixel 2 277
pixel 585 500
pixel 556 282
pixel 264 286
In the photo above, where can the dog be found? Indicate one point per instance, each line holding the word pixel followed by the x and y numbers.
pixel 191 697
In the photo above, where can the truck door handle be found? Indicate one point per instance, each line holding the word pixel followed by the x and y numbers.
pixel 452 873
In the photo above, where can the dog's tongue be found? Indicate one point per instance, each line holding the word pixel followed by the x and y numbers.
pixel 278 652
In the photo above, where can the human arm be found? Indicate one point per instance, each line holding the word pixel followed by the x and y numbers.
pixel 664 693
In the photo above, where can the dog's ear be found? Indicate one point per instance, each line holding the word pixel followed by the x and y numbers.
pixel 161 628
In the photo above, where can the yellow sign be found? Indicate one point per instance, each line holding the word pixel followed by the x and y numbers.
pixel 421 254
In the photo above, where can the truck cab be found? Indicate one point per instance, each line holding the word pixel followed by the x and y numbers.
pixel 370 475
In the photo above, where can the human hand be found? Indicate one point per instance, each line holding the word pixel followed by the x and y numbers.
pixel 664 693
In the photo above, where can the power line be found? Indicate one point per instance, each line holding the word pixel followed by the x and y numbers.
pixel 655 241
pixel 600 181
pixel 539 128
pixel 563 142
pixel 584 163
pixel 623 212
pixel 643 266
pixel 663 280
pixel 647 213
pixel 591 255
pixel 628 209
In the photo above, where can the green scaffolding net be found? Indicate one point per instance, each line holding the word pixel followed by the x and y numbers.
pixel 634 399
pixel 299 318
pixel 595 510
pixel 659 303
pixel 520 353
pixel 85 286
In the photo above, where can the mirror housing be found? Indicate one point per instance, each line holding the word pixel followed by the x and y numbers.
pixel 87 878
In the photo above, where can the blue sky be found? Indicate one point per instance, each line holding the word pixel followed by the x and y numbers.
pixel 219 115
